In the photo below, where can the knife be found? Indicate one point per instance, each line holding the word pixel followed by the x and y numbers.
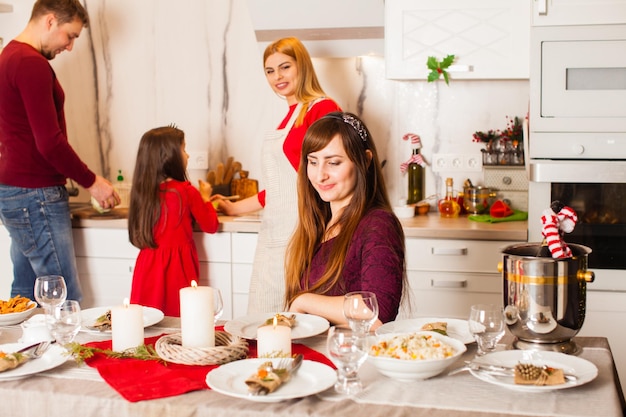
pixel 499 370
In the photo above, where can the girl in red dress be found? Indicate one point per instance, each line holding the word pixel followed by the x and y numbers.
pixel 163 207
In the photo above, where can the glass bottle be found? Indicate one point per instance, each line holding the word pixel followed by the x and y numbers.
pixel 448 207
pixel 416 180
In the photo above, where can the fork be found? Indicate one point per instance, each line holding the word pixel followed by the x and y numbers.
pixel 285 368
pixel 39 350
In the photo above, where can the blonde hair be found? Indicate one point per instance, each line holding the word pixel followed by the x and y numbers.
pixel 308 88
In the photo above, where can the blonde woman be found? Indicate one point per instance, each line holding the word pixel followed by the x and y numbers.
pixel 290 73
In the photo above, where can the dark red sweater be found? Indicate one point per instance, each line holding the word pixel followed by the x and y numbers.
pixel 34 150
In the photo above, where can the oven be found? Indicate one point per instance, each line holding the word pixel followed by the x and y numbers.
pixel 596 190
pixel 577 140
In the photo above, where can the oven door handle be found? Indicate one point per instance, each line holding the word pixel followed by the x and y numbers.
pixel 578 171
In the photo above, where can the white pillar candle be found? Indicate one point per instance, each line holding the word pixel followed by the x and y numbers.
pixel 196 316
pixel 273 341
pixel 127 326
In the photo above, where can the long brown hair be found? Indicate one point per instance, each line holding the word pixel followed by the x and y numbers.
pixel 308 88
pixel 159 157
pixel 314 214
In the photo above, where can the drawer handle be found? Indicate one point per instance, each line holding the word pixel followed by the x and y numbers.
pixel 448 284
pixel 448 251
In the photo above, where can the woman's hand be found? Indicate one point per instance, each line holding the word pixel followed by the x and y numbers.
pixel 245 206
pixel 329 307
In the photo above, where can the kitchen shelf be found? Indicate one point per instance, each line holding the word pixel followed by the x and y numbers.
pixel 6 8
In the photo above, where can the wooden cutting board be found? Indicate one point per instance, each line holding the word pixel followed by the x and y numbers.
pixel 89 213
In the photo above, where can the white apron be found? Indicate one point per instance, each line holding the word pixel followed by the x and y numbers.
pixel 267 284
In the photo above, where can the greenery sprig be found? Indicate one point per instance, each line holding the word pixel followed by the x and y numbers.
pixel 80 353
pixel 438 69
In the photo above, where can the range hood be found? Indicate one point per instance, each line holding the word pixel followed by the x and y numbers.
pixel 328 28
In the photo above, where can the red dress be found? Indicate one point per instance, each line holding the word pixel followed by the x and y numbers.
pixel 160 273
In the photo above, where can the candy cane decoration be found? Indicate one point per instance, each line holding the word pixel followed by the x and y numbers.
pixel 415 140
pixel 556 224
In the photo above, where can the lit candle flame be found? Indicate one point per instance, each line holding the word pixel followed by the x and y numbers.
pixel 275 320
pixel 126 302
pixel 194 284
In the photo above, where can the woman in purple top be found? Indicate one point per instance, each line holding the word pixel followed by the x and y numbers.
pixel 347 238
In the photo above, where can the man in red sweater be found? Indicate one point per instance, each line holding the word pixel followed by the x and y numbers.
pixel 35 156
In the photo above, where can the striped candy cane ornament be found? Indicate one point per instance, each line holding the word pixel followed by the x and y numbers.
pixel 554 225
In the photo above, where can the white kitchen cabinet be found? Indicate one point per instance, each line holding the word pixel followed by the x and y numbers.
pixel 105 259
pixel 244 247
pixel 604 316
pixel 214 253
pixel 447 276
pixel 580 12
pixel 489 38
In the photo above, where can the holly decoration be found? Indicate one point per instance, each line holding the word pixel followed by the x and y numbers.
pixel 437 69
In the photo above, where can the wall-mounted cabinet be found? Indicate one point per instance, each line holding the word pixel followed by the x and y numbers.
pixel 582 12
pixel 490 38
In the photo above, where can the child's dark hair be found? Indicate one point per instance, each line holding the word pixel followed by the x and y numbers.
pixel 159 157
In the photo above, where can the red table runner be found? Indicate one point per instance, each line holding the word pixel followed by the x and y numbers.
pixel 138 380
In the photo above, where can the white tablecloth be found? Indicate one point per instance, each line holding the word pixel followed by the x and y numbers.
pixel 80 389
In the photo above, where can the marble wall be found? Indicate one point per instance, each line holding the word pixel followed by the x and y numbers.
pixel 196 63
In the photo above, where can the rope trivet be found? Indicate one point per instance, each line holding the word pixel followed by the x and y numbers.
pixel 227 348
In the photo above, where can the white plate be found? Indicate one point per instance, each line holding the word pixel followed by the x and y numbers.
pixel 457 329
pixel 307 325
pixel 9 319
pixel 151 316
pixel 53 357
pixel 311 378
pixel 584 370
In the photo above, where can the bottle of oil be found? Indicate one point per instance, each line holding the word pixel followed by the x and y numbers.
pixel 416 180
pixel 448 207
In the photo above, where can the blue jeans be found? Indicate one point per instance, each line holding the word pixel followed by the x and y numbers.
pixel 39 222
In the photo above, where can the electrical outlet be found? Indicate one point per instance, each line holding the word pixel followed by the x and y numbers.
pixel 198 160
pixel 453 162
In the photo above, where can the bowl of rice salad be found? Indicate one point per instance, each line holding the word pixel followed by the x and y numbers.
pixel 413 356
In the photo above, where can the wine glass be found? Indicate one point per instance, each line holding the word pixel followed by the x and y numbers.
pixel 360 308
pixel 50 291
pixel 486 324
pixel 218 304
pixel 64 321
pixel 348 350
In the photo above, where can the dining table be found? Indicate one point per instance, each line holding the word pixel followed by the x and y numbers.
pixel 79 389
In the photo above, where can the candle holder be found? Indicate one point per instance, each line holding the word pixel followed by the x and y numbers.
pixel 227 348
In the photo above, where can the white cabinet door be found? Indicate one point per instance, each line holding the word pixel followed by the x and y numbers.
pixel 105 259
pixel 218 275
pixel 104 281
pixel 445 294
pixel 605 315
pixel 454 255
pixel 580 12
pixel 489 38
pixel 244 248
pixel 104 243
pixel 447 276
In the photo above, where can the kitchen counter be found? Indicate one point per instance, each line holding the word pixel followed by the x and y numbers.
pixel 428 226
